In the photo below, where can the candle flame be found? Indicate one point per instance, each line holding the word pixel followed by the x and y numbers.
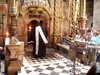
pixel 7 33
pixel 30 28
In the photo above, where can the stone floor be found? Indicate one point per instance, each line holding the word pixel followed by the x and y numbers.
pixel 55 63
pixel 2 67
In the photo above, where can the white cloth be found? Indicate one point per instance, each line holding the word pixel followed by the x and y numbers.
pixel 39 31
pixel 7 41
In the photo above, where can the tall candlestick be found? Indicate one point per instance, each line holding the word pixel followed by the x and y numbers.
pixel 76 9
pixel 84 9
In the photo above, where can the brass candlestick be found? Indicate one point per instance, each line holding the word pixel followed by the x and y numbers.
pixel 13 26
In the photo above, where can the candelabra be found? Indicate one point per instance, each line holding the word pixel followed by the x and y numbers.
pixel 2 22
pixel 2 26
pixel 13 25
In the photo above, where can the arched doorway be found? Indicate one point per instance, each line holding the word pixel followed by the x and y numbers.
pixel 36 14
pixel 30 31
pixel 28 15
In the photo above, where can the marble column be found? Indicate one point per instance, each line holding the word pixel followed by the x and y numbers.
pixel 96 13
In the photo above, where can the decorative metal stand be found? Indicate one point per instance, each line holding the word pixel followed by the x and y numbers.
pixel 2 26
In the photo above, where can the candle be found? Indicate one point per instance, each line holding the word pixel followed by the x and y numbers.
pixel 7 34
pixel 7 40
pixel 76 9
pixel 30 28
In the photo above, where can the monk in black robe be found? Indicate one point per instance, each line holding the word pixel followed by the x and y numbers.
pixel 40 40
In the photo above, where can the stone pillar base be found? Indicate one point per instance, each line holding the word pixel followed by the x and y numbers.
pixel 14 67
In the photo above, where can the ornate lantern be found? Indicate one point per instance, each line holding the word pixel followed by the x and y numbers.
pixel 13 7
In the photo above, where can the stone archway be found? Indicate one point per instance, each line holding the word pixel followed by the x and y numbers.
pixel 33 13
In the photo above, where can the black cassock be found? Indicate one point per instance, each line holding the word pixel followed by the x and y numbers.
pixel 95 69
pixel 41 44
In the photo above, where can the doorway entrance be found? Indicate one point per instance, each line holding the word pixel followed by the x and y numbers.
pixel 31 31
pixel 35 13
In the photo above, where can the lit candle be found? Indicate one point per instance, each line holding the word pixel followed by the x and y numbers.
pixel 7 40
pixel 30 28
pixel 7 34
